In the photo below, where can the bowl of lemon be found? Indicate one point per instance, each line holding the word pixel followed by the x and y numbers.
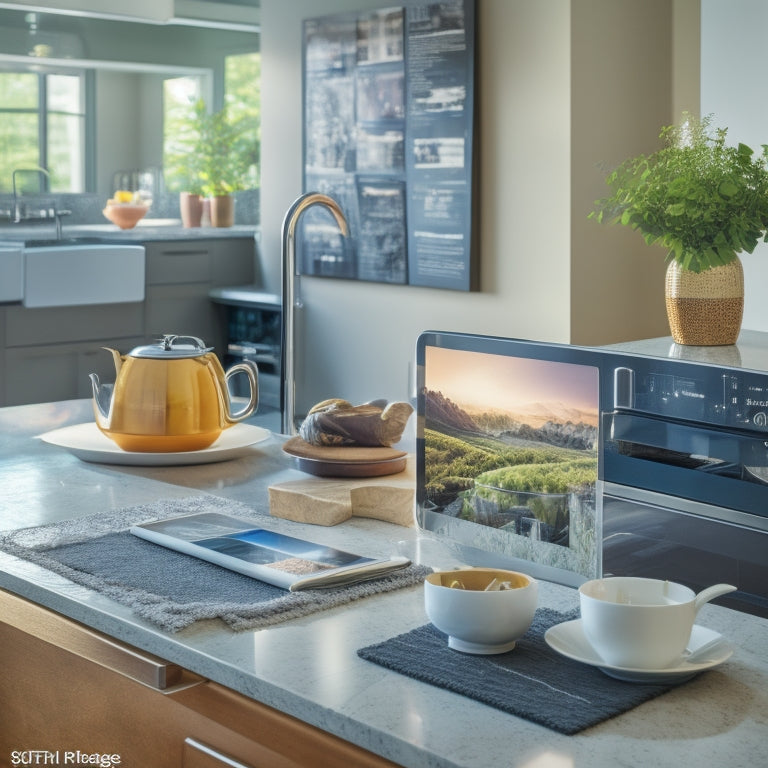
pixel 126 209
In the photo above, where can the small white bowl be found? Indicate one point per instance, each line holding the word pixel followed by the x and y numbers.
pixel 479 621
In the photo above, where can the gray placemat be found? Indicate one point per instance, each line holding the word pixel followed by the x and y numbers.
pixel 531 681
pixel 169 588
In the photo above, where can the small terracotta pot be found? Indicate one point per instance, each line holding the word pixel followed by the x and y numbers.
pixel 705 308
pixel 191 207
pixel 222 211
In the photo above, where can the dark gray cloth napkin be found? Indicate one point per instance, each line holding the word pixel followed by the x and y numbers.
pixel 531 681
pixel 169 588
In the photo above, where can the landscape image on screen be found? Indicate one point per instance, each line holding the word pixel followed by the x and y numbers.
pixel 511 443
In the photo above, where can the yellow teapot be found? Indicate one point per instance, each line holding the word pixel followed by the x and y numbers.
pixel 170 396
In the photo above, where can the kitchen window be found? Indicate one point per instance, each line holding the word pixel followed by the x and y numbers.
pixel 241 97
pixel 43 124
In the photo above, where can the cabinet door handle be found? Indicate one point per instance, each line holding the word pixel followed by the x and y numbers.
pixel 211 758
pixel 185 253
pixel 100 649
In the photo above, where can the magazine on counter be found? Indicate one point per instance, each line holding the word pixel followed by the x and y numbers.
pixel 281 560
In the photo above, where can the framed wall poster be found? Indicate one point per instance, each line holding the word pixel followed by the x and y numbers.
pixel 388 133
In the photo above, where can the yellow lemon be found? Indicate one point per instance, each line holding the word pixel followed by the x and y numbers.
pixel 122 196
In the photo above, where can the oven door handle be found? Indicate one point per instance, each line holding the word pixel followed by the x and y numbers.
pixel 620 427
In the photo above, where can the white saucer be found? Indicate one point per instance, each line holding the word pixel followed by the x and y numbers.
pixel 88 443
pixel 569 640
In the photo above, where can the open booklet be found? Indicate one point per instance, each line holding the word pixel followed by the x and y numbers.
pixel 278 559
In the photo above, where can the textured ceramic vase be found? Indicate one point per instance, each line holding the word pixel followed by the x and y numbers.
pixel 705 308
pixel 191 208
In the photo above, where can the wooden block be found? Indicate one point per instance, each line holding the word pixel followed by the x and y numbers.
pixel 393 505
pixel 309 502
pixel 332 501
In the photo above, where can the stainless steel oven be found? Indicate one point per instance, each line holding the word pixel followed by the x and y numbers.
pixel 685 465
pixel 680 441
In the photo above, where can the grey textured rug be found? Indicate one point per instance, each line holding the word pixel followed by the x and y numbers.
pixel 168 588
pixel 532 681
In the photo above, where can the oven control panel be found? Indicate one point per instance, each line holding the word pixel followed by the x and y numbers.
pixel 728 398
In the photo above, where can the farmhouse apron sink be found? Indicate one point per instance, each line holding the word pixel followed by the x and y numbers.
pixel 78 271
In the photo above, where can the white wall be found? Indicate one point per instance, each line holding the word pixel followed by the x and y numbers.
pixel 543 276
pixel 129 125
pixel 733 67
pixel 622 79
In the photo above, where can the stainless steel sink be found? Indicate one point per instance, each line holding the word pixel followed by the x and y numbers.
pixel 52 242
pixel 63 273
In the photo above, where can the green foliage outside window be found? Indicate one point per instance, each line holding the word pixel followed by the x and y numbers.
pixel 19 146
pixel 215 153
pixel 51 137
pixel 243 102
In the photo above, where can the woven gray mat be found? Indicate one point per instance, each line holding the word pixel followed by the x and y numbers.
pixel 532 681
pixel 171 589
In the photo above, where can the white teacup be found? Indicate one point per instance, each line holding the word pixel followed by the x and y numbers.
pixel 638 623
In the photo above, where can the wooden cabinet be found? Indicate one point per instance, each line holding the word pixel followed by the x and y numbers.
pixel 65 687
pixel 47 353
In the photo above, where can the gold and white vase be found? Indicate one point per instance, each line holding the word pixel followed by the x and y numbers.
pixel 705 308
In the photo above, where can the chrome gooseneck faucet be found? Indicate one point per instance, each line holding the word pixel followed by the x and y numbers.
pixel 288 396
pixel 21 214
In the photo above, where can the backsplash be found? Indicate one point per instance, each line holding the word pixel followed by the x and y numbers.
pixel 86 208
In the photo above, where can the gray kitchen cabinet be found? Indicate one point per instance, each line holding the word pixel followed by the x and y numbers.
pixel 180 276
pixel 47 353
pixel 44 373
pixel 182 309
pixel 26 327
pixel 3 364
pixel 50 351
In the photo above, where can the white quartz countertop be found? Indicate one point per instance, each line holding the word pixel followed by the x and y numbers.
pixel 308 667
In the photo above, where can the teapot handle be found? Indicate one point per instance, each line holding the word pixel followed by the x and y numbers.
pixel 249 368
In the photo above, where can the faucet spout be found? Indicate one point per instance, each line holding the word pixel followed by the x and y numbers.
pixel 19 214
pixel 287 368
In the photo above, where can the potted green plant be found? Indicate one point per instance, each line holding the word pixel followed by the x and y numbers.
pixel 222 170
pixel 182 165
pixel 705 202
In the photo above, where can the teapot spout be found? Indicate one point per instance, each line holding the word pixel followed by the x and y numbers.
pixel 117 357
pixel 102 393
pixel 102 400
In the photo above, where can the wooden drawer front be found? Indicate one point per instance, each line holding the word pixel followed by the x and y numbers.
pixel 178 263
pixel 65 687
pixel 72 637
pixel 197 755
pixel 26 327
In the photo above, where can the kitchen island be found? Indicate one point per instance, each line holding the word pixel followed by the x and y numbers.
pixel 305 673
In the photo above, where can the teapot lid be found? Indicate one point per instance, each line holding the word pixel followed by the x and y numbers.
pixel 172 347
